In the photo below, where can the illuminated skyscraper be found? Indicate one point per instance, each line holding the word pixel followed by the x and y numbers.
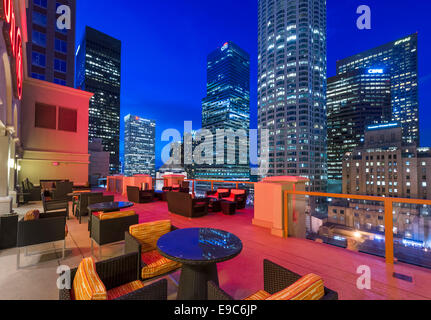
pixel 292 87
pixel 98 70
pixel 50 51
pixel 139 146
pixel 400 60
pixel 227 107
pixel 355 99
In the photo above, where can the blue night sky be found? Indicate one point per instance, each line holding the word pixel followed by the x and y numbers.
pixel 165 44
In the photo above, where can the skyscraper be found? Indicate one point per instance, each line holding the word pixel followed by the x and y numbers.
pixel 139 146
pixel 355 99
pixel 227 107
pixel 292 87
pixel 98 70
pixel 400 60
pixel 50 51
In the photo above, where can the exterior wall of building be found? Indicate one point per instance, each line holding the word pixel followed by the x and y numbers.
pixel 98 70
pixel 54 153
pixel 139 146
pixel 292 87
pixel 386 167
pixel 400 60
pixel 355 100
pixel 10 105
pixel 99 162
pixel 227 107
pixel 50 51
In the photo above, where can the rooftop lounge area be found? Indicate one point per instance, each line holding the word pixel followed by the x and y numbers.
pixel 231 234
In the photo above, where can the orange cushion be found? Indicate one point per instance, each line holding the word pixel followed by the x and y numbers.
pixel 260 295
pixel 32 215
pixel 157 265
pixel 309 287
pixel 116 215
pixel 87 284
pixel 237 191
pixel 222 190
pixel 149 233
pixel 125 289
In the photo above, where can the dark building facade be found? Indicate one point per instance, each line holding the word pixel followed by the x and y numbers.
pixel 227 107
pixel 50 50
pixel 139 146
pixel 355 99
pixel 399 59
pixel 98 70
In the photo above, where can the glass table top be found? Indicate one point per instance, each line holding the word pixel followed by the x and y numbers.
pixel 200 245
pixel 110 205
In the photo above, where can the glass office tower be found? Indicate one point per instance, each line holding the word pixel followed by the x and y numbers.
pixel 227 107
pixel 50 51
pixel 139 146
pixel 355 99
pixel 292 87
pixel 400 60
pixel 98 70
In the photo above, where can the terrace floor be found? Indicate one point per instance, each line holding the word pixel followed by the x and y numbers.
pixel 239 277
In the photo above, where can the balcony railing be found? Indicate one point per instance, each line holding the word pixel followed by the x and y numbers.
pixel 394 228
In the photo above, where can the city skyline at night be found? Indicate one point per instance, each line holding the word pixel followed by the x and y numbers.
pixel 155 80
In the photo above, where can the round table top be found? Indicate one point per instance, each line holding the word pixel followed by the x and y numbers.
pixel 109 206
pixel 77 193
pixel 199 246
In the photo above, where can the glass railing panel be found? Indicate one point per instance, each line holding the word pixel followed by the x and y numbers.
pixel 357 225
pixel 412 234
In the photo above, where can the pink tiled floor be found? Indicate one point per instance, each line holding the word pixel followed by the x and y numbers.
pixel 244 274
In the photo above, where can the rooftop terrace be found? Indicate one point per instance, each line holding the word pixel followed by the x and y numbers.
pixel 338 266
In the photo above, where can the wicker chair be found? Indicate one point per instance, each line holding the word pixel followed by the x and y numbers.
pixel 61 191
pixel 183 204
pixel 50 227
pixel 239 196
pixel 82 206
pixel 219 194
pixel 97 198
pixel 32 193
pixel 120 271
pixel 61 206
pixel 276 279
pixel 139 196
pixel 110 231
pixel 134 245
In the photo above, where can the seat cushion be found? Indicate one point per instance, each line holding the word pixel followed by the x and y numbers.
pixel 155 264
pixel 309 287
pixel 125 289
pixel 260 295
pixel 149 233
pixel 87 284
pixel 116 215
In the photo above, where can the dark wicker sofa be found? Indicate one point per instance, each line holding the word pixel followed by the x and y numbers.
pixel 276 279
pixel 119 271
pixel 135 195
pixel 183 204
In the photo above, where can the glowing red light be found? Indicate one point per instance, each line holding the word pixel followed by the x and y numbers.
pixel 55 164
pixel 15 41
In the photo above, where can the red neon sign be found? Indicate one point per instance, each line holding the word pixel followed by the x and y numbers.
pixel 15 42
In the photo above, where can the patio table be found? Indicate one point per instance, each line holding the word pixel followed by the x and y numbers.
pixel 199 250
pixel 110 206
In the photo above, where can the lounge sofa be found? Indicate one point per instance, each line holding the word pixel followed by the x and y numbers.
pixel 184 205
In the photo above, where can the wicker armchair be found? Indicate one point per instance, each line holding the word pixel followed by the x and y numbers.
pixel 61 206
pixel 32 193
pixel 134 245
pixel 61 191
pixel 94 199
pixel 239 196
pixel 50 227
pixel 120 271
pixel 276 279
pixel 219 194
pixel 183 204
pixel 82 206
pixel 139 196
pixel 111 230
